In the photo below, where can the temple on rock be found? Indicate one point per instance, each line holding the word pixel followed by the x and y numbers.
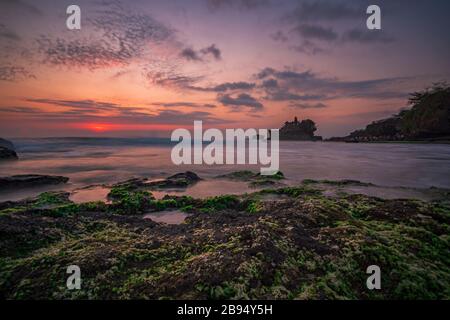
pixel 299 130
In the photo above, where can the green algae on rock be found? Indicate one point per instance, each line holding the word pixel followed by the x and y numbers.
pixel 295 244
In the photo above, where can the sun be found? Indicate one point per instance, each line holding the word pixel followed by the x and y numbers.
pixel 98 128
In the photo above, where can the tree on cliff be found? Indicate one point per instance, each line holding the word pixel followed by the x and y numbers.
pixel 430 113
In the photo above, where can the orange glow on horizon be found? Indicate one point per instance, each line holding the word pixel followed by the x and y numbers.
pixel 105 127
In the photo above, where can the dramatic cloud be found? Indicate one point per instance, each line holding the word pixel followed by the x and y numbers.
pixel 227 86
pixel 130 30
pixel 19 6
pixel 279 36
pixel 314 87
pixel 318 105
pixel 325 11
pixel 8 34
pixel 184 104
pixel 171 79
pixel 241 4
pixel 281 95
pixel 309 48
pixel 212 50
pixel 309 31
pixel 117 36
pixel 193 55
pixel 14 73
pixel 190 55
pixel 242 100
pixel 83 111
pixel 19 110
pixel 77 53
pixel 325 22
pixel 366 36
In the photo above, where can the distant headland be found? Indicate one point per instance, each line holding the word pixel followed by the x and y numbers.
pixel 428 120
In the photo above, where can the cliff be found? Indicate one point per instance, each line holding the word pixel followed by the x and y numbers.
pixel 428 119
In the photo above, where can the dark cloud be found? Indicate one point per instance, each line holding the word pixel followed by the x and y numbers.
pixel 279 36
pixel 14 73
pixel 309 48
pixel 325 11
pixel 311 20
pixel 87 108
pixel 190 55
pixel 129 30
pixel 172 79
pixel 84 111
pixel 310 31
pixel 318 105
pixel 19 110
pixel 19 6
pixel 314 87
pixel 227 86
pixel 79 53
pixel 118 35
pixel 241 4
pixel 284 95
pixel 8 34
pixel 242 100
pixel 212 50
pixel 184 104
pixel 193 55
pixel 366 36
pixel 270 84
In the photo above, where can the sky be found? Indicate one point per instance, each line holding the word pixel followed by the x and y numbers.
pixel 145 68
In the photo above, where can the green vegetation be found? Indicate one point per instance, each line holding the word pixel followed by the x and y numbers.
pixel 286 243
pixel 338 183
pixel 219 203
pixel 126 200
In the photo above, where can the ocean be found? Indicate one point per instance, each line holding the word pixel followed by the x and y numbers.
pixel 97 161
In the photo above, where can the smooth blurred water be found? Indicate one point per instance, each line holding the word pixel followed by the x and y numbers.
pixel 88 161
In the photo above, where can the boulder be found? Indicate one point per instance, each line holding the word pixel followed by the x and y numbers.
pixel 6 144
pixel 7 154
pixel 30 180
pixel 179 180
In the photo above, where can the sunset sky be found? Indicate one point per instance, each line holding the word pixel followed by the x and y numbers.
pixel 144 67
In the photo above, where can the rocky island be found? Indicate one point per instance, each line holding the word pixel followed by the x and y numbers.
pixel 299 130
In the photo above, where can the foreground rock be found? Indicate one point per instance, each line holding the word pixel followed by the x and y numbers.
pixel 179 180
pixel 30 180
pixel 6 144
pixel 255 180
pixel 7 151
pixel 7 154
pixel 285 243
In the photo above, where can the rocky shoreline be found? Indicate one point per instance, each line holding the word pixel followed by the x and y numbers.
pixel 428 120
pixel 282 242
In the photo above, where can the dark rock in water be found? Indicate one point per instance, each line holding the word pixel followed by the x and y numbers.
pixel 299 130
pixel 7 154
pixel 6 144
pixel 7 151
pixel 31 180
pixel 179 180
pixel 255 180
